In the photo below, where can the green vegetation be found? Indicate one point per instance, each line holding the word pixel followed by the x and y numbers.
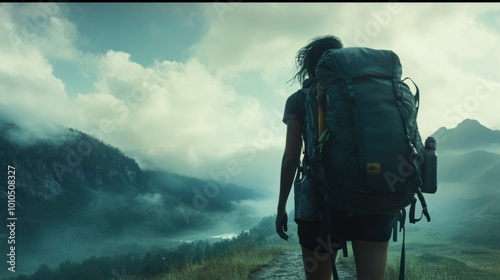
pixel 431 258
pixel 427 257
pixel 237 263
pixel 233 258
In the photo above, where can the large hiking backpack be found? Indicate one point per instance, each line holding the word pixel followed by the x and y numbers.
pixel 363 147
pixel 362 133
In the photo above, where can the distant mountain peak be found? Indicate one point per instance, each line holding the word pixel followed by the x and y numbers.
pixel 468 134
pixel 471 124
pixel 470 121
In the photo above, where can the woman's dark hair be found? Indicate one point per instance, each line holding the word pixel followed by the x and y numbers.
pixel 308 56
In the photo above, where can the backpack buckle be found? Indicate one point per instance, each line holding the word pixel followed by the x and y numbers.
pixel 320 97
pixel 350 90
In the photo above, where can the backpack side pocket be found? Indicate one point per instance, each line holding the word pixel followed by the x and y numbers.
pixel 306 199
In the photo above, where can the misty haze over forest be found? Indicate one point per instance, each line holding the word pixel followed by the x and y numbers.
pixel 77 196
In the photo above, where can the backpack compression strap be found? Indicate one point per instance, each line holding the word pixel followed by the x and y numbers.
pixel 401 220
pixel 414 152
pixel 425 212
pixel 323 135
pixel 403 259
pixel 320 97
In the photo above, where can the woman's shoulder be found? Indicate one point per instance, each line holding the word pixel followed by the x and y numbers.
pixel 296 99
pixel 295 106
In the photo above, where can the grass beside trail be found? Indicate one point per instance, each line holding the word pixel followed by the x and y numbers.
pixel 236 264
pixel 429 258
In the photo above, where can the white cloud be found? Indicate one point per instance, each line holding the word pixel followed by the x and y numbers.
pixel 27 85
pixel 250 36
pixel 171 115
pixel 42 26
pixel 174 115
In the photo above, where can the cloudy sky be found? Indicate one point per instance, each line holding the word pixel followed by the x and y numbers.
pixel 199 89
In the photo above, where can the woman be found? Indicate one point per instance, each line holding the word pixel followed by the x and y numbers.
pixel 369 234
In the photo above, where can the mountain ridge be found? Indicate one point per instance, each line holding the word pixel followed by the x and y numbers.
pixel 77 178
pixel 468 196
pixel 469 134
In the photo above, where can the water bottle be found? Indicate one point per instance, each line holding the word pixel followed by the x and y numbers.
pixel 429 167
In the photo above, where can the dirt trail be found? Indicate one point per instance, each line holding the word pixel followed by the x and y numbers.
pixel 289 267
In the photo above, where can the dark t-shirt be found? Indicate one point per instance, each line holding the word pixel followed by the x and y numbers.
pixel 294 107
pixel 295 104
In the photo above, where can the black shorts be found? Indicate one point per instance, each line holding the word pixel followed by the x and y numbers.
pixel 313 236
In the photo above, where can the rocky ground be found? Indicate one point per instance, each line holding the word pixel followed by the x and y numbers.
pixel 289 267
